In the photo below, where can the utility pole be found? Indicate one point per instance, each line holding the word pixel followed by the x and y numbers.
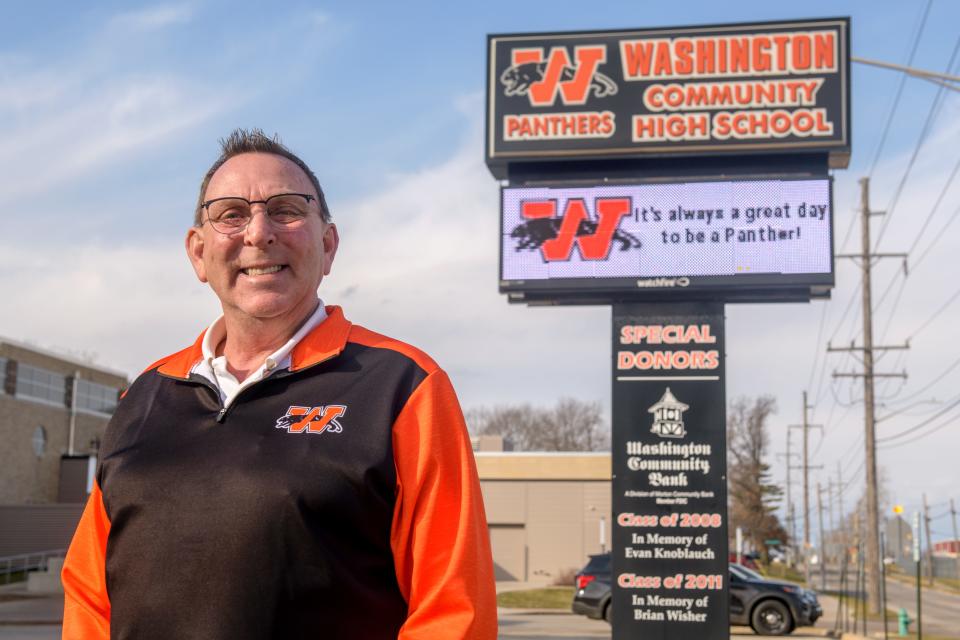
pixel 823 546
pixel 956 539
pixel 926 526
pixel 842 534
pixel 832 530
pixel 791 519
pixel 840 495
pixel 806 426
pixel 866 260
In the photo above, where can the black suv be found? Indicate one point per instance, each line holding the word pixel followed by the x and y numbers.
pixel 771 607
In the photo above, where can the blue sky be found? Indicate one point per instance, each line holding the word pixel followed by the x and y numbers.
pixel 110 112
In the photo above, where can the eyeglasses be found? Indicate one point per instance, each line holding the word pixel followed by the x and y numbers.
pixel 285 212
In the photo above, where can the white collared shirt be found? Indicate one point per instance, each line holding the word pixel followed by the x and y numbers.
pixel 214 367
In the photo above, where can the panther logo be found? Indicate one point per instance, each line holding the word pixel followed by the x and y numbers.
pixel 518 78
pixel 531 235
pixel 312 419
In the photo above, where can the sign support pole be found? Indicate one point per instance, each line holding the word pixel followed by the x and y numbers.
pixel 669 492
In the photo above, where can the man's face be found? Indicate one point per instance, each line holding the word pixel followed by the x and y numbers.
pixel 234 265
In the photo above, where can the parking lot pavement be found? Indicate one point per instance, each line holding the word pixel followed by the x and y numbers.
pixel 539 624
pixel 29 632
pixel 26 616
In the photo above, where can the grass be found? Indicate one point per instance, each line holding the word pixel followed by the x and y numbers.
pixel 895 572
pixel 545 598
pixel 14 576
pixel 780 571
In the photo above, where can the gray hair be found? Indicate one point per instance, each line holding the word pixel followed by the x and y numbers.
pixel 256 141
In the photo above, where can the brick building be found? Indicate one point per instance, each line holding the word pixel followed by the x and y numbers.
pixel 52 407
pixel 547 512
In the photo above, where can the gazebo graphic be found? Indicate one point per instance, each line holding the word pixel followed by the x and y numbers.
pixel 668 416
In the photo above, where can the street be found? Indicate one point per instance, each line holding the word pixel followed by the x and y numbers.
pixel 521 624
pixel 941 609
pixel 30 618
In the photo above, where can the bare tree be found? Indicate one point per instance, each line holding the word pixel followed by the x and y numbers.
pixel 753 495
pixel 570 425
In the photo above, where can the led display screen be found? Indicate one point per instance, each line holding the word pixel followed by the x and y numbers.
pixel 686 235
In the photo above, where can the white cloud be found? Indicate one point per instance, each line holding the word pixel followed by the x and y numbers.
pixel 67 118
pixel 127 304
pixel 788 332
pixel 422 257
pixel 150 18
pixel 418 261
pixel 103 126
pixel 318 18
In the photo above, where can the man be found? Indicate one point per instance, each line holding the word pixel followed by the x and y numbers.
pixel 290 474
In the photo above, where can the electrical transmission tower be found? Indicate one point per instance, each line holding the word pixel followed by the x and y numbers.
pixel 866 260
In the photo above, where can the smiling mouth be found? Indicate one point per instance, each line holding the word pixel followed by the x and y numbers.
pixel 262 271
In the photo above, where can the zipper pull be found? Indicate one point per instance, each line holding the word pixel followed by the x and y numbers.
pixel 222 414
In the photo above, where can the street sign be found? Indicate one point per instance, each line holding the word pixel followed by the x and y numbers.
pixel 916 537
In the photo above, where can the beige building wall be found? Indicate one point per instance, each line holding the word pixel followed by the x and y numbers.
pixel 544 511
pixel 26 477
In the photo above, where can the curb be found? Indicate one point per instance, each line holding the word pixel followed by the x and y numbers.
pixel 535 612
pixel 833 633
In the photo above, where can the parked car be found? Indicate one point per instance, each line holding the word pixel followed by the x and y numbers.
pixel 770 607
pixel 592 597
pixel 747 560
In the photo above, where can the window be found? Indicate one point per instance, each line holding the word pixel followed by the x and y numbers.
pixel 3 374
pixel 40 384
pixel 92 396
pixel 39 441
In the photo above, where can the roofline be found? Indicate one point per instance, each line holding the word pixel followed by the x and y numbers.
pixel 51 353
pixel 540 454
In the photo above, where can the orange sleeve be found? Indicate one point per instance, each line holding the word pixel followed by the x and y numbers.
pixel 86 609
pixel 439 534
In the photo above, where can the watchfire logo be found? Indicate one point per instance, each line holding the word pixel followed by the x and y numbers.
pixel 555 237
pixel 312 419
pixel 542 79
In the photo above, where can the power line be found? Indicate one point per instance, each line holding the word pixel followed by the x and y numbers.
pixel 846 236
pixel 852 402
pixel 830 423
pixel 936 313
pixel 936 205
pixel 856 445
pixel 920 436
pixel 936 238
pixel 901 276
pixel 903 80
pixel 823 316
pixel 926 323
pixel 924 132
pixel 853 298
pixel 896 303
pixel 854 476
pixel 883 296
pixel 920 424
pixel 937 379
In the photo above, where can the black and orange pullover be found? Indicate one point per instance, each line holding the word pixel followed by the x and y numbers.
pixel 335 499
